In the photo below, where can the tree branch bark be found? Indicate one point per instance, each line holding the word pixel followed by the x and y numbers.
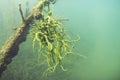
pixel 11 46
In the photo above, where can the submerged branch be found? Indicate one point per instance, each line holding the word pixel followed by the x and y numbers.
pixel 11 46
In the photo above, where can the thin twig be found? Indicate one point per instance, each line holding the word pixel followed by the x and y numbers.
pixel 21 13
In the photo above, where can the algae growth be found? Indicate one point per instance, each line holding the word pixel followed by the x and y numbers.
pixel 52 39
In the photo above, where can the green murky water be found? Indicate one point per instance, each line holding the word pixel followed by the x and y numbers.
pixel 96 21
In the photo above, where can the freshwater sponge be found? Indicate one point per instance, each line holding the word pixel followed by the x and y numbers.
pixel 52 39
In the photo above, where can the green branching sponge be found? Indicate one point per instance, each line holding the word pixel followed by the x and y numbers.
pixel 52 39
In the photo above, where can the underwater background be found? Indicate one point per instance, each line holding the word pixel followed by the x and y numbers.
pixel 96 21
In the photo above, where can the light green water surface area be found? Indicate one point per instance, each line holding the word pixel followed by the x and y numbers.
pixel 96 21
